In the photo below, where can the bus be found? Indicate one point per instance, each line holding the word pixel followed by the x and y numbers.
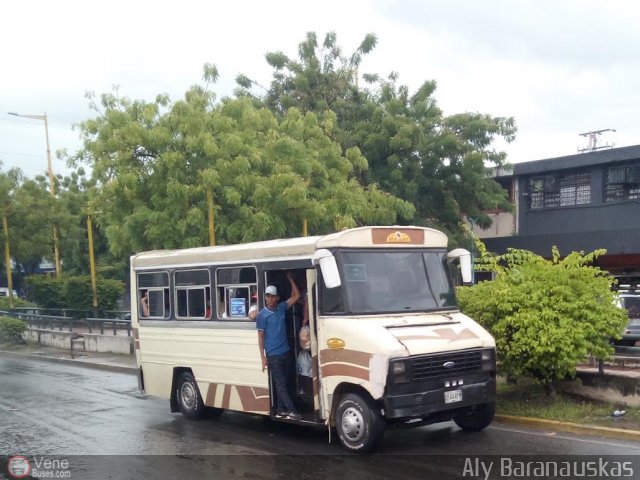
pixel 388 343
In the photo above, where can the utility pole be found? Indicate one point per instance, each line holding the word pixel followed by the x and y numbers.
pixel 56 251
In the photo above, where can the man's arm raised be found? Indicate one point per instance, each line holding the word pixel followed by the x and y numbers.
pixel 295 293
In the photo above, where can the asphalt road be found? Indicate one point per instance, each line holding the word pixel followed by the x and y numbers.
pixel 104 428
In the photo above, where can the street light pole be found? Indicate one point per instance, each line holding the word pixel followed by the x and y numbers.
pixel 7 257
pixel 56 251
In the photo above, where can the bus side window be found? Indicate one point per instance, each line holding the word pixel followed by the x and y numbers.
pixel 156 287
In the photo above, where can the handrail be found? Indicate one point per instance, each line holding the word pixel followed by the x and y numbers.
pixel 60 321
pixel 112 321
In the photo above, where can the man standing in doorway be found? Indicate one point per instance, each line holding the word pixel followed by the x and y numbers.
pixel 274 347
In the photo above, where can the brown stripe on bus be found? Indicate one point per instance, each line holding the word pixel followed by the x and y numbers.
pixel 249 398
pixel 342 370
pixel 442 334
pixel 347 356
pixel 226 396
pixel 211 395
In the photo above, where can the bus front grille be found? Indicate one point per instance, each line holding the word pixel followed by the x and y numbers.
pixel 429 367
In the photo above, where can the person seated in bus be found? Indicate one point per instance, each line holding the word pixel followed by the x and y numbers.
pixel 207 312
pixel 253 309
pixel 144 303
pixel 274 345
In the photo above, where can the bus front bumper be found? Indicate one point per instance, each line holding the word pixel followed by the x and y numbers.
pixel 425 403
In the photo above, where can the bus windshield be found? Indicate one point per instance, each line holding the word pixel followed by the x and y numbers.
pixel 396 281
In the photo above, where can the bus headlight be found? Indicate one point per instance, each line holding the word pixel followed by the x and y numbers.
pixel 400 371
pixel 489 360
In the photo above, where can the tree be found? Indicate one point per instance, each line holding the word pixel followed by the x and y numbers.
pixel 8 184
pixel 546 315
pixel 440 164
pixel 153 164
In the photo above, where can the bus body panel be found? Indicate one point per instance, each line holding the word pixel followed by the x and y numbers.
pixel 224 361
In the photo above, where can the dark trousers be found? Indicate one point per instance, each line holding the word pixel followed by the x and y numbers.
pixel 279 368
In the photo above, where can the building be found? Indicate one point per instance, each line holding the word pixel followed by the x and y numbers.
pixel 578 202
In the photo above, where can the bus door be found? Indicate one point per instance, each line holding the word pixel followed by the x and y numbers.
pixel 302 387
pixel 313 329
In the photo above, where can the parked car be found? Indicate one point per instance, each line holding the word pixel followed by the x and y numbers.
pixel 631 303
pixel 4 292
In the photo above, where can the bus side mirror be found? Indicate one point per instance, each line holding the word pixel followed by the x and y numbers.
pixel 328 266
pixel 464 257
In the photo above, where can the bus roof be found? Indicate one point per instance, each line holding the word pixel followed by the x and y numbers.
pixel 294 248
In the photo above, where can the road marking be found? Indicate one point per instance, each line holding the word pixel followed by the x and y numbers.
pixel 564 437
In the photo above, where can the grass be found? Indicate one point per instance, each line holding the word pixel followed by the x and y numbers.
pixel 531 400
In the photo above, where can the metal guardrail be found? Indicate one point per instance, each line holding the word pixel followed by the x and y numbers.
pixel 114 322
pixel 73 313
pixel 53 322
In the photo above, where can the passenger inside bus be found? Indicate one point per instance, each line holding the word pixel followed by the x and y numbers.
pixel 300 386
pixel 144 303
pixel 274 347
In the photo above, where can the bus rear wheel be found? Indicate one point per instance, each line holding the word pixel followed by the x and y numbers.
pixel 189 398
pixel 476 418
pixel 358 423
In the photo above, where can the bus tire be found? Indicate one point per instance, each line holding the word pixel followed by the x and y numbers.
pixel 359 424
pixel 189 398
pixel 476 418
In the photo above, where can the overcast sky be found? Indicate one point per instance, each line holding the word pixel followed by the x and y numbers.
pixel 560 68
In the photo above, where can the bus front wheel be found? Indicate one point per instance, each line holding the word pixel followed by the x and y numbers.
pixel 476 418
pixel 189 398
pixel 358 423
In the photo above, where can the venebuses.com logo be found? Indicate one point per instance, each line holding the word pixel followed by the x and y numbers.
pixel 18 466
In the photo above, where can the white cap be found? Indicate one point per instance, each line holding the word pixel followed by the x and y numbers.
pixel 271 290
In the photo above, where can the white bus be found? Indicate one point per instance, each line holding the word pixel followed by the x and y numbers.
pixel 389 345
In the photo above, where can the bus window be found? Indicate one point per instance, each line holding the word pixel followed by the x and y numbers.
pixel 156 287
pixel 192 287
pixel 235 287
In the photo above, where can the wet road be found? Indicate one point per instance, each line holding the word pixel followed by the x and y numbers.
pixel 66 410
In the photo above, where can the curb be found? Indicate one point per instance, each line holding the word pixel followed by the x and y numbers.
pixel 81 363
pixel 569 427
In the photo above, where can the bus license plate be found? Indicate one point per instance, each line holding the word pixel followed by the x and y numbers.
pixel 453 396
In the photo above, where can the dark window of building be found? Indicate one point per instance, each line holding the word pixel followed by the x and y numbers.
pixel 622 183
pixel 561 190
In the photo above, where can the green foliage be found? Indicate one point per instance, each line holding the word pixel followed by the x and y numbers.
pixel 11 330
pixel 439 164
pixel 17 302
pixel 153 164
pixel 546 315
pixel 73 292
pixel 78 295
pixel 46 292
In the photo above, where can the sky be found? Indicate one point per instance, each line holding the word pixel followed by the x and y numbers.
pixel 560 68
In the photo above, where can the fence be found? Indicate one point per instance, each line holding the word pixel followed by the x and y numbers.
pixel 69 323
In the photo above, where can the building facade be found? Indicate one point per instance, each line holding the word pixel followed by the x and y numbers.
pixel 578 202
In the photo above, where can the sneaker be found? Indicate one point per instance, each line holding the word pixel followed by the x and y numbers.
pixel 282 414
pixel 294 416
